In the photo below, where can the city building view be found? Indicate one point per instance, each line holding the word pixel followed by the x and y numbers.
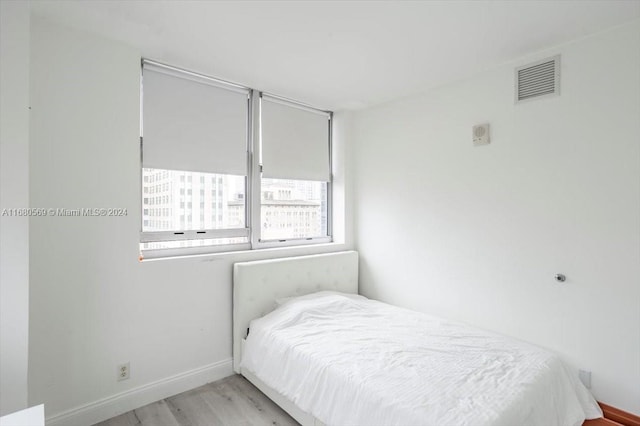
pixel 178 200
pixel 293 209
pixel 181 200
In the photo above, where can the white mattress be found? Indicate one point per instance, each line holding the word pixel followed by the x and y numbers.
pixel 348 360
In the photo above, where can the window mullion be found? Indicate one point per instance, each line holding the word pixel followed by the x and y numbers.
pixel 329 198
pixel 254 170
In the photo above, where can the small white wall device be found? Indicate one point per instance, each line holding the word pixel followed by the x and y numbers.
pixel 481 134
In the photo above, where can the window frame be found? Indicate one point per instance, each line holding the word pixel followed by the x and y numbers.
pixel 253 186
pixel 256 202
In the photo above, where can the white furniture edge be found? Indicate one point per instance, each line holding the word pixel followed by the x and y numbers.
pixel 32 416
pixel 131 399
pixel 257 285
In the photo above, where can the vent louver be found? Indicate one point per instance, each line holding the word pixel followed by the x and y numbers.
pixel 539 79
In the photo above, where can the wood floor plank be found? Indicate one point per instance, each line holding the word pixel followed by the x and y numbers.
pixel 190 409
pixel 227 405
pixel 232 401
pixel 127 419
pixel 257 408
pixel 155 414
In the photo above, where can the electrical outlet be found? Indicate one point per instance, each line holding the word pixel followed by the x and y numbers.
pixel 123 371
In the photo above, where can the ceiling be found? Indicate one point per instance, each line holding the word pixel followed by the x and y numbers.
pixel 339 54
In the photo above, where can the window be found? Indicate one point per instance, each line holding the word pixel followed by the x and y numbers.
pixel 295 171
pixel 195 136
pixel 232 168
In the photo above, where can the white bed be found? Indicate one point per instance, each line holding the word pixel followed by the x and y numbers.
pixel 308 356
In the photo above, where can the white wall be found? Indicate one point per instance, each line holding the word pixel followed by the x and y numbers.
pixel 14 193
pixel 93 305
pixel 477 233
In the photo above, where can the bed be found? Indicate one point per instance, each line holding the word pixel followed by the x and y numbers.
pixel 326 355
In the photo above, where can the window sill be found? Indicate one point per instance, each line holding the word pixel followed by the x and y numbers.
pixel 242 255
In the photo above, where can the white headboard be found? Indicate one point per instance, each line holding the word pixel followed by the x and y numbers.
pixel 256 285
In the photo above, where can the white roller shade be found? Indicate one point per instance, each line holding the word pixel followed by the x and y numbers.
pixel 295 141
pixel 191 123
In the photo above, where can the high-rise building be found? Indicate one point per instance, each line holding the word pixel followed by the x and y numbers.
pixel 178 201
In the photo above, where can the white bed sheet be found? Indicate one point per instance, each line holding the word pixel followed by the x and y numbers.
pixel 355 361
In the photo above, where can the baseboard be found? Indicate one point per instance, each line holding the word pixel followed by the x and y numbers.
pixel 117 404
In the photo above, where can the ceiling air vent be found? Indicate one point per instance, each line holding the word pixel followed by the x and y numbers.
pixel 538 79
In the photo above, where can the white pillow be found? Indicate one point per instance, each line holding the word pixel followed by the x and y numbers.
pixel 282 300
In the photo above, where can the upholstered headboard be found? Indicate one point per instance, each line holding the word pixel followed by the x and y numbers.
pixel 256 285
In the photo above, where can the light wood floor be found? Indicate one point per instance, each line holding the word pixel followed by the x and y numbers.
pixel 231 401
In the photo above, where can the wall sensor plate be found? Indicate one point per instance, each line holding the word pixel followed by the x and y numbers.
pixel 481 134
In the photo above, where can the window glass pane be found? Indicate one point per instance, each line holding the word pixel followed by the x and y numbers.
pixel 184 201
pixel 293 209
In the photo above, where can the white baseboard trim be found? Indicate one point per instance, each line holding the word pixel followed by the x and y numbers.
pixel 117 404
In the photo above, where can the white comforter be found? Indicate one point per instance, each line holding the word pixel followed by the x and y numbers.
pixel 349 360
